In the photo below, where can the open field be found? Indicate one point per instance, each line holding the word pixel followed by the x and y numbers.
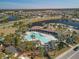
pixel 58 52
pixel 6 31
pixel 45 18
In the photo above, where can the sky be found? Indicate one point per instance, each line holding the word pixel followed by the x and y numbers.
pixel 37 4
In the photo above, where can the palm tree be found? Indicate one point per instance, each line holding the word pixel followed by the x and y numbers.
pixel 17 39
pixel 72 38
pixel 61 42
pixel 42 51
pixel 60 45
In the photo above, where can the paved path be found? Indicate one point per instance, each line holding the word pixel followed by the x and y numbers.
pixel 68 54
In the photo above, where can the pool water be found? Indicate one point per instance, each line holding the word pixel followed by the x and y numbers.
pixel 37 36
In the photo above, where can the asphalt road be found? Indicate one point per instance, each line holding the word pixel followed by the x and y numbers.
pixel 75 55
pixel 67 55
pixel 70 54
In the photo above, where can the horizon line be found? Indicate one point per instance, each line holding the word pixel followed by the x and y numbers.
pixel 33 8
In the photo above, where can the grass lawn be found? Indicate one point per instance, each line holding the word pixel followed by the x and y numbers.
pixel 58 52
pixel 1 55
pixel 46 18
pixel 77 40
pixel 6 31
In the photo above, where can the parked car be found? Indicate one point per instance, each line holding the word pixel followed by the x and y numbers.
pixel 76 48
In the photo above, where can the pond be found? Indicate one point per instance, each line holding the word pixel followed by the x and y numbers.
pixel 12 18
pixel 75 24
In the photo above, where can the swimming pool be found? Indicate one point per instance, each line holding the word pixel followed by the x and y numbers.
pixel 38 36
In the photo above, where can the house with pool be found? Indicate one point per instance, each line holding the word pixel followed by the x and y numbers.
pixel 46 40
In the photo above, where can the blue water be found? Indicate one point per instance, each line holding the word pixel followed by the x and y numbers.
pixel 37 36
pixel 12 18
pixel 67 22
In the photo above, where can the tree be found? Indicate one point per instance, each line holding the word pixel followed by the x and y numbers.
pixel 8 39
pixel 16 39
pixel 61 45
pixel 71 39
pixel 42 51
pixel 15 24
pixel 27 46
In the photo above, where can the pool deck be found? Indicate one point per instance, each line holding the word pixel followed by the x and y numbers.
pixel 48 37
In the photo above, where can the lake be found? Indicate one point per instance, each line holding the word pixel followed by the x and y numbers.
pixel 75 24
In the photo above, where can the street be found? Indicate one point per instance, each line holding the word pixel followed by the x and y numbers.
pixel 70 54
pixel 74 56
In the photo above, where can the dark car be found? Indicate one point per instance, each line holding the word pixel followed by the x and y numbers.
pixel 76 48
